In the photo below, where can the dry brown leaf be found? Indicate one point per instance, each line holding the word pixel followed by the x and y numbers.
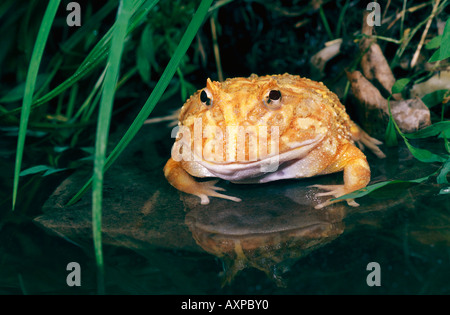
pixel 373 62
pixel 319 60
pixel 440 81
pixel 366 93
pixel 410 115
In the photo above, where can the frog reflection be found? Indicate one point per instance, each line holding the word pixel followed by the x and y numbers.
pixel 269 238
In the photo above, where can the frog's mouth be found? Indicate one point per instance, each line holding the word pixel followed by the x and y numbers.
pixel 238 170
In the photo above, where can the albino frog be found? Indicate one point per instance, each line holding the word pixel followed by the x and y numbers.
pixel 261 129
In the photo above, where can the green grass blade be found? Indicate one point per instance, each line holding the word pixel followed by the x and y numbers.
pixel 325 23
pixel 97 55
pixel 30 84
pixel 88 26
pixel 104 119
pixel 341 19
pixel 156 94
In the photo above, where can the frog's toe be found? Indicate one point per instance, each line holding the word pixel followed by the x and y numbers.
pixel 363 139
pixel 212 185
pixel 209 189
pixel 333 190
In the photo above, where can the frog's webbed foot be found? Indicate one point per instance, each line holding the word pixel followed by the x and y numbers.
pixel 333 190
pixel 356 176
pixel 184 182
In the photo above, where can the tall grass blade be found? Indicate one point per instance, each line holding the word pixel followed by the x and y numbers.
pixel 97 55
pixel 156 94
pixel 104 119
pixel 30 85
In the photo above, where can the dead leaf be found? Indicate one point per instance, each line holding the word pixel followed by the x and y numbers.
pixel 366 93
pixel 410 115
pixel 373 62
pixel 440 81
pixel 320 59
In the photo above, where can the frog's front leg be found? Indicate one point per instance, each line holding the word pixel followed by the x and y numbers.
pixel 356 176
pixel 184 182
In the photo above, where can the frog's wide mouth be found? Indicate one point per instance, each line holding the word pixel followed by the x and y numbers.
pixel 237 170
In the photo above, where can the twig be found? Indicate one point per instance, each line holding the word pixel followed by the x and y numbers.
pixel 402 20
pixel 407 38
pixel 216 48
pixel 410 10
pixel 386 9
pixel 424 35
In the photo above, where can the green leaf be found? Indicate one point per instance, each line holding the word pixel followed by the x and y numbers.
pixel 390 136
pixel 434 98
pixel 367 190
pixel 420 154
pixel 41 168
pixel 143 65
pixel 436 56
pixel 400 85
pixel 35 169
pixel 30 85
pixel 146 55
pixel 445 42
pixel 423 155
pixel 445 134
pixel 434 43
pixel 444 191
pixel 444 50
pixel 442 177
pixel 430 131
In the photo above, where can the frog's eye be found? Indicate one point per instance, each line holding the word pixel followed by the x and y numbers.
pixel 273 99
pixel 206 97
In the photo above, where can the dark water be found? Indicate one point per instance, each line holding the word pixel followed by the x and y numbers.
pixel 158 241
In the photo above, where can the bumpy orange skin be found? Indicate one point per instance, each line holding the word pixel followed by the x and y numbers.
pixel 310 120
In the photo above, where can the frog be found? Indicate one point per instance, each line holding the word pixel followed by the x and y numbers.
pixel 301 129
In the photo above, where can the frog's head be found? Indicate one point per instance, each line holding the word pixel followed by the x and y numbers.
pixel 250 119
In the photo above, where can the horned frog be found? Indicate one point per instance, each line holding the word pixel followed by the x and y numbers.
pixel 266 128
